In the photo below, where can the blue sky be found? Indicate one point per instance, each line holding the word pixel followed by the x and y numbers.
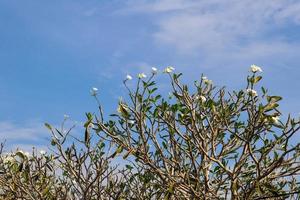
pixel 53 52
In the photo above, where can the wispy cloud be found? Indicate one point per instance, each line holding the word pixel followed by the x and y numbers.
pixel 158 6
pixel 32 134
pixel 32 131
pixel 209 26
pixel 24 137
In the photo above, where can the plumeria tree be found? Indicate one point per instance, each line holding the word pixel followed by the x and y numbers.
pixel 202 142
pixel 207 144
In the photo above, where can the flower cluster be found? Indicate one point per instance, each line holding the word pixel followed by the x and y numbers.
pixel 170 69
pixel 154 71
pixel 251 92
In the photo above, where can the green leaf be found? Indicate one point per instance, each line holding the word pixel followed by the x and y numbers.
pixel 257 79
pixel 89 116
pixel 53 142
pixel 153 90
pixel 157 97
pixel 129 167
pixel 48 126
pixel 151 84
pixel 217 168
pixel 273 99
pixel 101 145
pixel 270 106
pixel 145 84
pixel 164 145
pixel 118 151
pixel 263 90
pixel 254 79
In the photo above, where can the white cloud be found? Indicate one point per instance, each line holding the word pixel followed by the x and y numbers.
pixel 159 6
pixel 31 131
pixel 210 26
pixel 32 134
pixel 23 136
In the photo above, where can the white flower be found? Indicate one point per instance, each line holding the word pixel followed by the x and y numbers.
pixel 131 121
pixel 251 92
pixel 202 98
pixel 42 152
pixel 128 77
pixel 275 119
pixel 206 80
pixel 142 75
pixel 154 70
pixel 255 68
pixel 169 69
pixel 94 91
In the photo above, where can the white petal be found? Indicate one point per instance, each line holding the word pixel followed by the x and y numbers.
pixel 142 75
pixel 94 91
pixel 255 68
pixel 154 70
pixel 128 77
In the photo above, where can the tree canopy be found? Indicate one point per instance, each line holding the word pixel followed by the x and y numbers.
pixel 200 142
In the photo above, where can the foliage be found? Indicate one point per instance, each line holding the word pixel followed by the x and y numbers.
pixel 200 143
